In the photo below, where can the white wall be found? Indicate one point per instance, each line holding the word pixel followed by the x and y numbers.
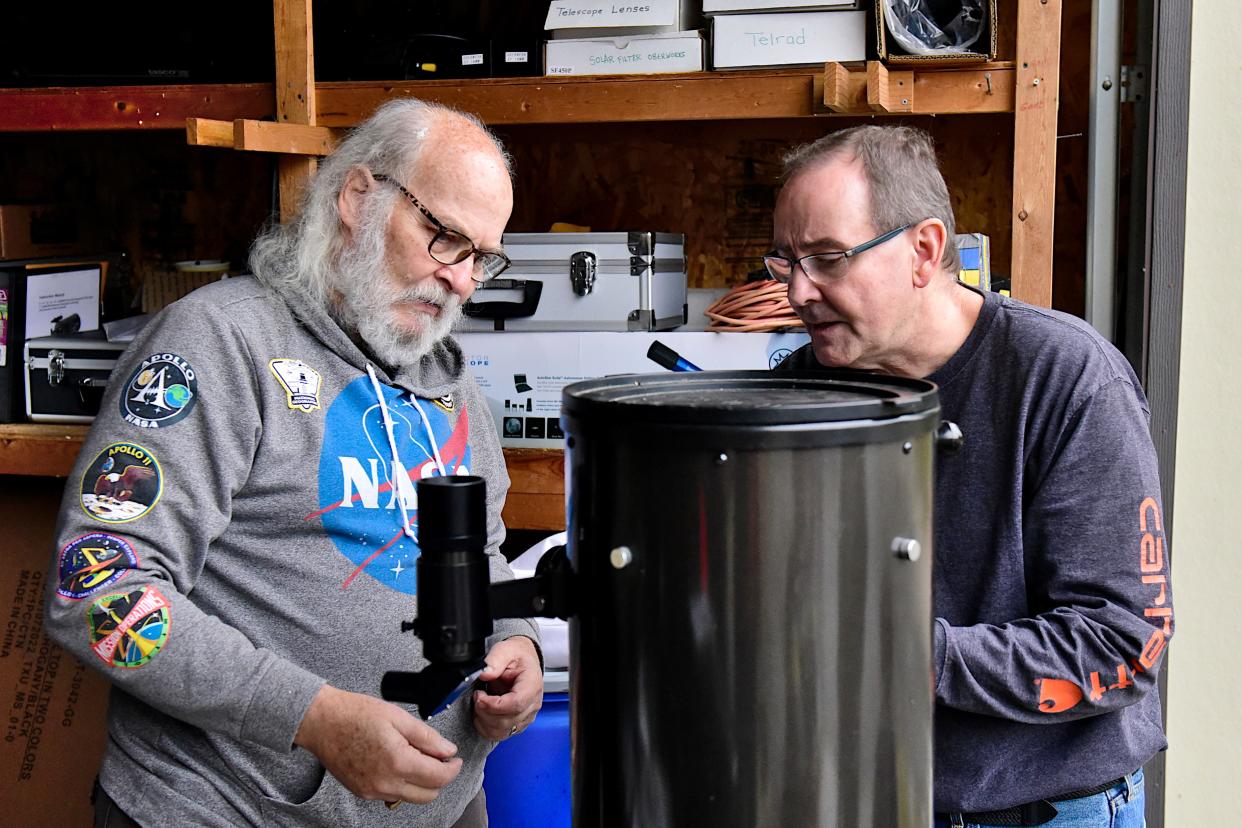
pixel 1205 658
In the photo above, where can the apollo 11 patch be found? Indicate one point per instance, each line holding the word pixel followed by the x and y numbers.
pixel 160 392
pixel 121 484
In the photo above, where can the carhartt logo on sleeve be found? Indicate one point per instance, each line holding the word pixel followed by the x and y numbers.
pixel 1153 572
pixel 300 381
pixel 1058 695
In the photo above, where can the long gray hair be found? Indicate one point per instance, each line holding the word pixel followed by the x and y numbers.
pixel 301 257
pixel 903 177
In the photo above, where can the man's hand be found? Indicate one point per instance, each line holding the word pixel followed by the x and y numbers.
pixel 515 689
pixel 376 749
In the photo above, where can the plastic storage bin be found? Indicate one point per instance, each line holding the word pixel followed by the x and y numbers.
pixel 527 777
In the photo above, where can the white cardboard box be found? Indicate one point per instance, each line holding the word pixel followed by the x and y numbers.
pixel 788 38
pixel 522 374
pixel 638 54
pixel 593 18
pixel 742 6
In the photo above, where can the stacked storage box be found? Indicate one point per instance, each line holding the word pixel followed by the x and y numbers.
pixel 751 33
pixel 589 37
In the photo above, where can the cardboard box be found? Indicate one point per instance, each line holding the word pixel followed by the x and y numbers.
pixel 52 706
pixel 593 18
pixel 633 55
pixel 788 38
pixel 889 51
pixel 711 7
pixel 522 374
pixel 29 231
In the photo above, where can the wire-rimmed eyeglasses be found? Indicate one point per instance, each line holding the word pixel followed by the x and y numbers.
pixel 827 266
pixel 449 246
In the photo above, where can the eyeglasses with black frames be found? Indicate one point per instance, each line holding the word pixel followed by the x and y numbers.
pixel 448 246
pixel 828 266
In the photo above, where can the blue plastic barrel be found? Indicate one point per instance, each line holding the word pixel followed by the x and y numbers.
pixel 527 777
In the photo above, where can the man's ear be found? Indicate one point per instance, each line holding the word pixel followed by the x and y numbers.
pixel 930 238
pixel 349 200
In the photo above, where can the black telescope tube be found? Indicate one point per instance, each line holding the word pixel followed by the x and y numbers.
pixel 454 617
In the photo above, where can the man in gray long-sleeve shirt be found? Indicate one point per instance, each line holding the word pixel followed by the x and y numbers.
pixel 237 543
pixel 1051 576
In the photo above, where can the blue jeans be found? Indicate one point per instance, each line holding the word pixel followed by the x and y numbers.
pixel 1119 807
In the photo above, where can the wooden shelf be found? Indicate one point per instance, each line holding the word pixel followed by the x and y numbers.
pixel 731 95
pixel 536 495
pixel 61 109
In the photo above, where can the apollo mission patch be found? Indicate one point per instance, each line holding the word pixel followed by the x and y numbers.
pixel 160 392
pixel 122 483
pixel 91 562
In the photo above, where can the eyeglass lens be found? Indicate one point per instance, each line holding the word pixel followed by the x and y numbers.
pixel 450 247
pixel 821 268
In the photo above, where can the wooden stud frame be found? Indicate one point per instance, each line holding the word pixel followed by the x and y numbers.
pixel 1035 149
pixel 295 93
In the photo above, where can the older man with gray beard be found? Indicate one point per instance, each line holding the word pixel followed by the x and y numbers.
pixel 246 613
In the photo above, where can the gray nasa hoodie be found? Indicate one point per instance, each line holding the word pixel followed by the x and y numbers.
pixel 234 535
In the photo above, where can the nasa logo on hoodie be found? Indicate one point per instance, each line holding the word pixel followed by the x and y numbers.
pixel 365 494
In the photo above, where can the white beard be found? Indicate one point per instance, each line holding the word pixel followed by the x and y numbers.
pixel 369 294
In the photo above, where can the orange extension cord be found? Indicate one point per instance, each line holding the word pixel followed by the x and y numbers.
pixel 753 307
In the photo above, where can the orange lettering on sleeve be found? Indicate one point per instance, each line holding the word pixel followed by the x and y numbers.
pixel 1155 646
pixel 1162 612
pixel 1149 505
pixel 1151 554
pixel 1158 579
pixel 1097 689
pixel 1123 681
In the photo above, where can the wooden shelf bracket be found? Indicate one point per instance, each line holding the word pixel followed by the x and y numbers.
pixel 875 89
pixel 889 91
pixel 261 136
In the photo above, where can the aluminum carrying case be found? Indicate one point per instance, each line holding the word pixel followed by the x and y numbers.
pixel 66 377
pixel 584 282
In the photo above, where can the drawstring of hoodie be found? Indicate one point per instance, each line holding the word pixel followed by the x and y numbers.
pixel 392 445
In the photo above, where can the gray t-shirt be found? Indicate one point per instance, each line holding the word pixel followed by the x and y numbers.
pixel 1052 597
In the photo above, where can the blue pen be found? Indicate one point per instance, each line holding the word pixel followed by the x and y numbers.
pixel 670 359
